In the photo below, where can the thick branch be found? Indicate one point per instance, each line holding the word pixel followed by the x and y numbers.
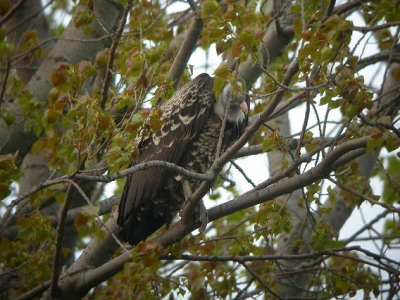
pixel 185 51
pixel 224 158
pixel 25 16
pixel 278 35
pixel 245 201
pixel 73 279
pixel 7 217
pixel 72 48
pixel 288 185
pixel 315 255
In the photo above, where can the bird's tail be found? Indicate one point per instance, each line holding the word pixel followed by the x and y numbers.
pixel 135 231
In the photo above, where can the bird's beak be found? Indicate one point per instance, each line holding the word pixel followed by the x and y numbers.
pixel 244 108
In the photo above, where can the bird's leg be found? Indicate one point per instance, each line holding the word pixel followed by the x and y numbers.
pixel 200 211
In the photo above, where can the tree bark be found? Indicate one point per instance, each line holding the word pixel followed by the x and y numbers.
pixel 73 46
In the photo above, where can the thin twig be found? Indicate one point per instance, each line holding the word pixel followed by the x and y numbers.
pixel 305 122
pixel 241 171
pixel 364 197
pixel 36 291
pixel 7 217
pixel 365 29
pixel 11 12
pixel 59 240
pixel 220 162
pixel 371 123
pixel 256 277
pixel 101 222
pixel 347 7
pixel 331 6
pixel 113 49
pixel 7 73
pixel 223 125
pixel 384 55
pixel 144 166
pixel 366 226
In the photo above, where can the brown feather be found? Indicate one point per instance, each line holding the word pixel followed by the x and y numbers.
pixel 188 138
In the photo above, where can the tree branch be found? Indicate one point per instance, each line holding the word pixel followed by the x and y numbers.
pixel 7 217
pixel 35 292
pixel 11 12
pixel 220 162
pixel 113 49
pixel 288 185
pixel 16 138
pixel 251 258
pixel 73 278
pixel 185 51
pixel 59 242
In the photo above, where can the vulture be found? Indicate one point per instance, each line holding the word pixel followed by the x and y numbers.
pixel 191 121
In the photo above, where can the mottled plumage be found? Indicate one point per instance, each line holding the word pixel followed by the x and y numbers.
pixel 192 121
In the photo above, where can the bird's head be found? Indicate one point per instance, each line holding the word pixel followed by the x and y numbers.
pixel 233 101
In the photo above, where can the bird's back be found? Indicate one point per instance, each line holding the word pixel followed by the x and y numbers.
pixel 151 197
pixel 188 137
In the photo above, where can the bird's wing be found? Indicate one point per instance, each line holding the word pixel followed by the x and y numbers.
pixel 183 116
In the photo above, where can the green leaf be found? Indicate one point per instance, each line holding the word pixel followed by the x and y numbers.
pixel 91 210
pixel 392 143
pixel 268 145
pixel 218 86
pixel 209 8
pixel 373 144
pixel 310 147
pixel 82 18
pixel 101 59
pixel 223 71
pixel 247 38
pixel 33 126
pixel 60 73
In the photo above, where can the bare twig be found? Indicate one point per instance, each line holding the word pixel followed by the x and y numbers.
pixel 241 171
pixel 223 125
pixel 305 122
pixel 144 166
pixel 36 291
pixel 375 28
pixel 251 258
pixel 369 225
pixel 347 7
pixel 3 88
pixel 384 55
pixel 174 233
pixel 256 277
pixel 7 217
pixel 113 49
pixel 364 197
pixel 11 12
pixel 58 251
pixel 331 6
pixel 220 162
pixel 289 185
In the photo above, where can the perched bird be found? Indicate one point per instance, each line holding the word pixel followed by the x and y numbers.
pixel 191 126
